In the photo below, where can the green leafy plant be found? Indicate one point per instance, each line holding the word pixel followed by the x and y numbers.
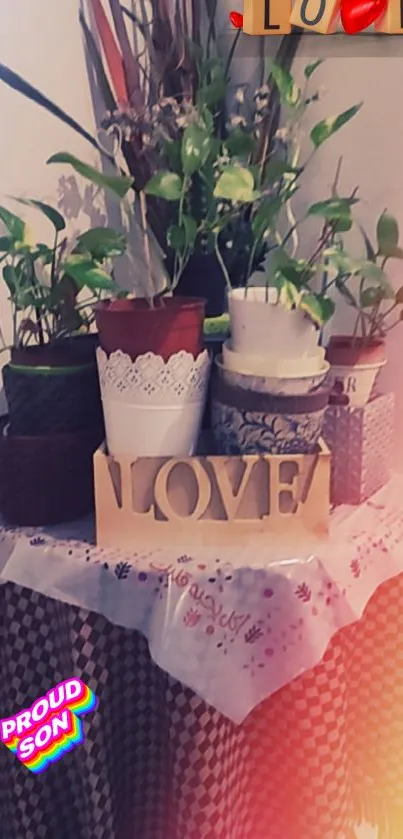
pixel 52 289
pixel 154 86
pixel 364 284
pixel 247 199
pixel 248 196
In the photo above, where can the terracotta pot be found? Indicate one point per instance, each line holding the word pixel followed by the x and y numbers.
pixel 47 480
pixel 135 328
pixel 343 353
pixel 53 389
pixel 354 370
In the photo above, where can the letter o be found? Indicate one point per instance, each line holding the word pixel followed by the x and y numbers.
pixel 319 16
pixel 43 736
pixel 38 715
pixel 203 490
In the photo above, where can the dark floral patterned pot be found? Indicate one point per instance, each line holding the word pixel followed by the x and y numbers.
pixel 252 422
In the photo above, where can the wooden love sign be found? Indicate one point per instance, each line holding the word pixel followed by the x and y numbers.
pixel 210 500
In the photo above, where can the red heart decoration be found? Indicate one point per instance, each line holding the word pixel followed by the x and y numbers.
pixel 357 15
pixel 236 19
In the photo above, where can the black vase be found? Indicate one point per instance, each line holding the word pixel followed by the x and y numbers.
pixel 203 277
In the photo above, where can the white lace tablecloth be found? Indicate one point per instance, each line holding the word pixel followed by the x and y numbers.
pixel 233 625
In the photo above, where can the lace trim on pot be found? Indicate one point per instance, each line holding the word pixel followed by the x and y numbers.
pixel 151 381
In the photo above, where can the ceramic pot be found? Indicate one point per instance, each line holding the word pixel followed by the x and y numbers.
pixel 153 408
pixel 47 480
pixel 276 375
pixel 248 421
pixel 53 389
pixel 135 328
pixel 261 328
pixel 354 370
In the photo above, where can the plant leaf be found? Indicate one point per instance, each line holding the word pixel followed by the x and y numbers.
pixel 176 238
pixel 239 143
pixel 195 150
pixel 310 68
pixel 15 225
pixel 327 127
pixel 387 234
pixel 130 65
pixel 213 93
pixel 236 184
pixel 190 228
pixel 289 295
pixel 276 169
pixel 86 273
pixel 113 57
pixel 289 92
pixel 96 60
pixel 6 244
pixel 119 184
pixel 320 309
pixel 19 84
pixel 51 214
pixel 265 215
pixel 10 278
pixel 371 255
pixel 370 297
pixel 165 185
pixel 102 243
pixel 334 210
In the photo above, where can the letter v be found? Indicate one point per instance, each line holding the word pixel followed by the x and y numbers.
pixel 231 500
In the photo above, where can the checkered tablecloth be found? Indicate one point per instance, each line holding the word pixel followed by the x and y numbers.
pixel 240 697
pixel 159 763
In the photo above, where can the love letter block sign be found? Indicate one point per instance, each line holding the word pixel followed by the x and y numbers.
pixel 276 17
pixel 164 502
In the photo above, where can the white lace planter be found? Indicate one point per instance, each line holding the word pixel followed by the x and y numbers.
pixel 153 408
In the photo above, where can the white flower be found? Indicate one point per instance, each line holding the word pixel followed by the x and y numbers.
pixel 237 121
pixel 262 92
pixel 282 134
pixel 261 104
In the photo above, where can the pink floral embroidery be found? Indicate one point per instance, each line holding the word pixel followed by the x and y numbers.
pixel 192 618
pixel 355 568
pixel 304 593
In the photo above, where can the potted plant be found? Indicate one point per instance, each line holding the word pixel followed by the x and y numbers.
pixel 357 359
pixel 55 415
pixel 277 318
pixel 178 62
pixel 152 364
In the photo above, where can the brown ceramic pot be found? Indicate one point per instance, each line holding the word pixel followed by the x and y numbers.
pixel 343 351
pixel 134 327
pixel 47 480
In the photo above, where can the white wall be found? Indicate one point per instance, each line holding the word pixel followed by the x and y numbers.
pixel 42 41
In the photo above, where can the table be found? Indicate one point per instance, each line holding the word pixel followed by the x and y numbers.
pixel 242 695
